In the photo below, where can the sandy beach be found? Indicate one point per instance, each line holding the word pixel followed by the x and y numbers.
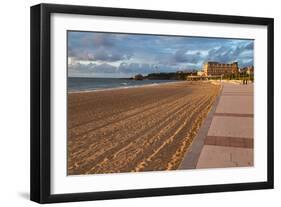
pixel 135 129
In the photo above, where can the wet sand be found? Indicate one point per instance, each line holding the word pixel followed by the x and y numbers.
pixel 135 129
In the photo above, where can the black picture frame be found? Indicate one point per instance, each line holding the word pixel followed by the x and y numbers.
pixel 41 99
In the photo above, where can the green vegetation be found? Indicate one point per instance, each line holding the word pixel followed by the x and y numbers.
pixel 169 76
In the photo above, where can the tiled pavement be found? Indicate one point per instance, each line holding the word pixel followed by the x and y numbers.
pixel 226 137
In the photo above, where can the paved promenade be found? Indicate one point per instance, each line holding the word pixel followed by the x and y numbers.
pixel 226 137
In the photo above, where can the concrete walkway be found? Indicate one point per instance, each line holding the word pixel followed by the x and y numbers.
pixel 226 137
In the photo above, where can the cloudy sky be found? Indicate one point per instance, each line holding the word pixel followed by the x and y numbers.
pixel 95 54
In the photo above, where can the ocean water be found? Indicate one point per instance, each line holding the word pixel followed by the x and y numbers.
pixel 92 84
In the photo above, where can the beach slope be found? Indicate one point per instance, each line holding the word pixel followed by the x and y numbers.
pixel 135 129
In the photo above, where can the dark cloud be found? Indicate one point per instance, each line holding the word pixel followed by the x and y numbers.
pixel 222 54
pixel 241 53
pixel 181 56
pixel 96 47
pixel 250 46
pixel 104 55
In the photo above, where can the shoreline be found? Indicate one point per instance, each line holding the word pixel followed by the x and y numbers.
pixel 125 87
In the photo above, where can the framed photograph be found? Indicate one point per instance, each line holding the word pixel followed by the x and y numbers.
pixel 133 103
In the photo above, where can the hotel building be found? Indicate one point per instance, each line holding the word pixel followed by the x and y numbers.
pixel 216 68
